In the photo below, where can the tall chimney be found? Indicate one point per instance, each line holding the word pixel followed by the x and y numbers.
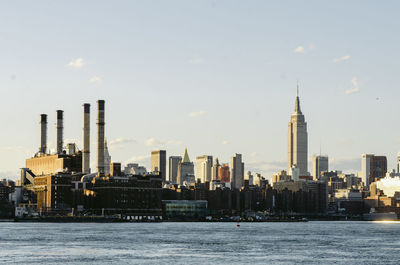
pixel 60 128
pixel 43 133
pixel 86 139
pixel 100 136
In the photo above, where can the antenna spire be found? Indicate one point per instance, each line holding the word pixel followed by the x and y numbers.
pixel 297 94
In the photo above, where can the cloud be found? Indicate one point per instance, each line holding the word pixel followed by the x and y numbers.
pixel 77 63
pixel 267 168
pixel 300 49
pixel 225 142
pixel 121 141
pixel 350 164
pixel 197 113
pixel 95 80
pixel 196 60
pixel 138 159
pixel 341 59
pixel 354 88
pixel 13 175
pixel 12 148
pixel 151 142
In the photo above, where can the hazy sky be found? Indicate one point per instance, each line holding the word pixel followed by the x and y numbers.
pixel 217 77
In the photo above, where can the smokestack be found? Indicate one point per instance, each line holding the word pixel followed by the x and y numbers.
pixel 86 139
pixel 100 136
pixel 60 128
pixel 43 133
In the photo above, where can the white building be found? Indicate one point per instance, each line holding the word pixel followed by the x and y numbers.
pixel 203 168
pixel 366 168
pixel 135 169
pixel 294 173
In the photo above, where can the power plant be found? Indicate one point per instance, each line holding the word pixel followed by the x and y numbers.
pixel 60 182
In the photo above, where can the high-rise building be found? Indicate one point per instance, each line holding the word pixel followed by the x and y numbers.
pixel 224 173
pixel 298 140
pixel 185 170
pixel 173 163
pixel 320 164
pixel 203 168
pixel 107 159
pixel 159 163
pixel 373 168
pixel 237 171
pixel 215 170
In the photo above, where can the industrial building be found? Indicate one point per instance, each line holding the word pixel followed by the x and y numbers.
pixel 62 182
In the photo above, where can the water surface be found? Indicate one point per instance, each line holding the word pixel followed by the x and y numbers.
pixel 200 243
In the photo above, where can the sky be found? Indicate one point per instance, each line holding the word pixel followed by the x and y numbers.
pixel 217 77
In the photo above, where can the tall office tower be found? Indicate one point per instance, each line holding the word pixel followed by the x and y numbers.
pixel 159 163
pixel 372 168
pixel 237 171
pixel 173 168
pixel 297 140
pixel 320 164
pixel 185 170
pixel 224 173
pixel 214 170
pixel 107 159
pixel 203 168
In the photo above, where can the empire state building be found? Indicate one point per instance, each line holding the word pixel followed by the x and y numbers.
pixel 297 140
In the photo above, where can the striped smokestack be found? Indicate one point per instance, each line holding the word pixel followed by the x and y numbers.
pixel 43 133
pixel 60 128
pixel 86 139
pixel 100 136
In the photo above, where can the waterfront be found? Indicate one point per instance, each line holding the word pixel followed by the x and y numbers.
pixel 200 243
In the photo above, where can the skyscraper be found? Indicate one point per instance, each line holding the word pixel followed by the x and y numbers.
pixel 320 164
pixel 215 170
pixel 173 168
pixel 224 174
pixel 203 168
pixel 158 162
pixel 297 140
pixel 372 168
pixel 237 171
pixel 185 170
pixel 107 159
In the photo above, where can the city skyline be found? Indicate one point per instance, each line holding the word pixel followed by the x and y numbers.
pixel 347 81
